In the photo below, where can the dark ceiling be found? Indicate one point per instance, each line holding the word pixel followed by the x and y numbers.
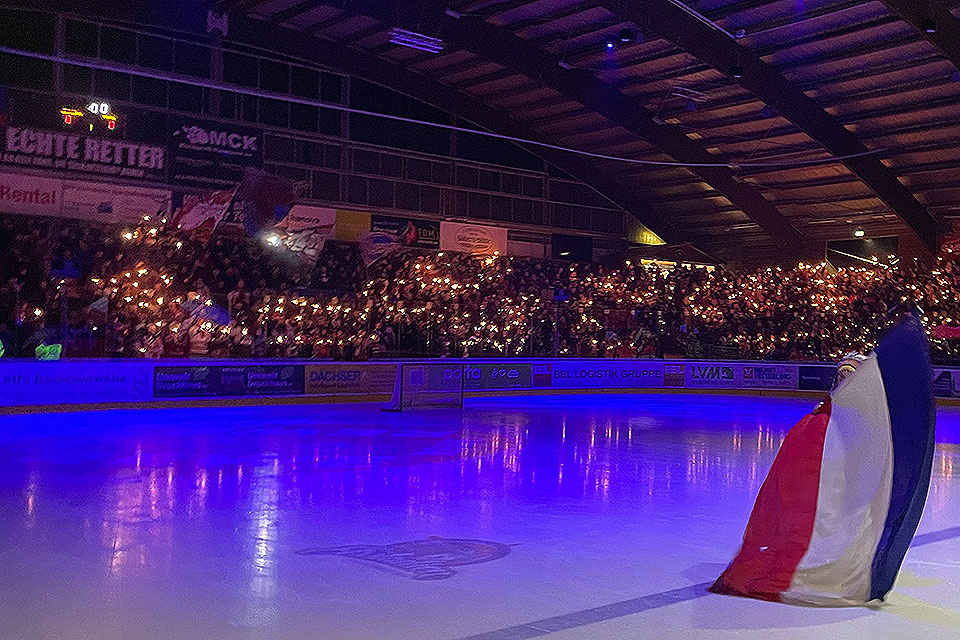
pixel 820 80
pixel 858 90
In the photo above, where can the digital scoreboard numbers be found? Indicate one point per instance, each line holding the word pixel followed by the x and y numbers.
pixel 95 117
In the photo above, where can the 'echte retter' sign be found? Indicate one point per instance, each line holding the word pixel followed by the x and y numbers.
pixel 56 150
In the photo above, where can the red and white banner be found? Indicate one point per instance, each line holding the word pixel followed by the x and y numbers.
pixel 30 195
pixel 113 203
pixel 472 238
pixel 205 211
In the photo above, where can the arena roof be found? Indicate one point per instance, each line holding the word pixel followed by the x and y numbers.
pixel 819 117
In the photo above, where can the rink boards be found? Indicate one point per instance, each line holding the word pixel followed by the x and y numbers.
pixel 97 382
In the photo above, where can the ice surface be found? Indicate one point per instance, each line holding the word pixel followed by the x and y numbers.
pixel 564 517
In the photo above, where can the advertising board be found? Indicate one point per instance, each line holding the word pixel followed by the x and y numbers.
pixel 599 374
pixel 30 195
pixel 673 375
pixel 942 383
pixel 509 375
pixel 424 234
pixel 816 377
pixel 473 238
pixel 706 375
pixel 212 153
pixel 770 376
pixel 218 380
pixel 112 203
pixel 349 379
pixel 24 382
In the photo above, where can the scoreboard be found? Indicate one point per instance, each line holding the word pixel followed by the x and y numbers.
pixel 95 117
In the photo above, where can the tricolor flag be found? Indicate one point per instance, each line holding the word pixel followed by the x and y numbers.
pixel 837 512
pixel 376 244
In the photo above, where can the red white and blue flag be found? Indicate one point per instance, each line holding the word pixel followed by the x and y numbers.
pixel 840 506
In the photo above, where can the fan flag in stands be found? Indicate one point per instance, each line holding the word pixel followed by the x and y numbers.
pixel 837 512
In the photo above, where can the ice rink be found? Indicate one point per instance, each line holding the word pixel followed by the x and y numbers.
pixel 597 516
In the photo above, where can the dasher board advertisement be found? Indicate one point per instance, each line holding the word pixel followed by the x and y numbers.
pixel 598 374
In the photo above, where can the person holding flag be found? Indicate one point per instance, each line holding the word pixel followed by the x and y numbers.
pixel 838 509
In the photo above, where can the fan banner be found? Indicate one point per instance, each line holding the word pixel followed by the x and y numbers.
pixel 838 509
pixel 305 230
pixel 205 210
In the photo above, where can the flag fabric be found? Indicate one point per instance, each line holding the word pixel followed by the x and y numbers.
pixel 264 198
pixel 207 311
pixel 305 230
pixel 945 331
pixel 202 213
pixel 100 305
pixel 836 514
pixel 376 244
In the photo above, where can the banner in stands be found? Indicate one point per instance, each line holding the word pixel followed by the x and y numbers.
pixel 89 154
pixel 113 203
pixel 213 153
pixel 713 375
pixel 599 374
pixel 350 379
pixel 770 376
pixel 473 238
pixel 30 195
pixel 25 383
pixel 305 230
pixel 509 375
pixel 240 380
pixel 423 234
pixel 816 378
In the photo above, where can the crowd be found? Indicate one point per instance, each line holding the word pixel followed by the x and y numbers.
pixel 150 292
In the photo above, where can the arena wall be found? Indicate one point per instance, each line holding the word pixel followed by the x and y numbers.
pixel 26 385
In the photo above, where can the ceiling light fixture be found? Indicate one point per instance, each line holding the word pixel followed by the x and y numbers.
pixel 415 40
pixel 626 35
pixel 736 71
pixel 928 25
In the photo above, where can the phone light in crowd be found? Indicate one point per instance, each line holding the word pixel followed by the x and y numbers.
pixel 610 44
pixel 273 240
pixel 859 233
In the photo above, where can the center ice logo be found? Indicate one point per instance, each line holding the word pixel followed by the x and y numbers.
pixel 427 559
